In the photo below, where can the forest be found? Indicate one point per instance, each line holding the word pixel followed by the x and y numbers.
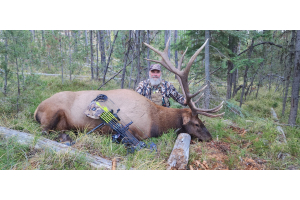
pixel 255 72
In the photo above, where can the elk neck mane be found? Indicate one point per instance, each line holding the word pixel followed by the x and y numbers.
pixel 167 118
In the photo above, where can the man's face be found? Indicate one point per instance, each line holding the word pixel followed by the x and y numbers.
pixel 155 77
pixel 155 74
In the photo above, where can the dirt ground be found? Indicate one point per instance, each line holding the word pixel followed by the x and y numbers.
pixel 216 155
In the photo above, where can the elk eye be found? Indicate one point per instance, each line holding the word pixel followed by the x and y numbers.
pixel 197 125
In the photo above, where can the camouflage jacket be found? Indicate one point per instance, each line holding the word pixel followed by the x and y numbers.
pixel 167 89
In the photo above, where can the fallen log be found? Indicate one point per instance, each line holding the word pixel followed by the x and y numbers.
pixel 281 138
pixel 274 115
pixel 180 154
pixel 43 143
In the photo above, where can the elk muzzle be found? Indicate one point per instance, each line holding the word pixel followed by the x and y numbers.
pixel 198 130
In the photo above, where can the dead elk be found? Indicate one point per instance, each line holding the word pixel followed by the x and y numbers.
pixel 65 110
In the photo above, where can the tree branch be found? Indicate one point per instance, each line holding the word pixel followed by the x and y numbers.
pixel 126 65
pixel 111 78
pixel 218 51
pixel 209 74
pixel 270 43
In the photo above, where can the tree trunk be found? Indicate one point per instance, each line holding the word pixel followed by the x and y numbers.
pixel 102 50
pixel 48 58
pixel 75 49
pixel 108 41
pixel 5 66
pixel 270 77
pixel 43 39
pixel 246 71
pixel 296 82
pixel 207 78
pixel 22 65
pixel 148 52
pixel 258 86
pixel 33 35
pixel 236 72
pixel 70 57
pixel 289 69
pixel 229 79
pixel 231 76
pixel 16 42
pixel 260 74
pixel 176 52
pixel 233 80
pixel 252 80
pixel 131 70
pixel 125 60
pixel 97 52
pixel 111 50
pixel 18 84
pixel 62 68
pixel 138 58
pixel 142 54
pixel 92 56
pixel 169 48
pixel 86 48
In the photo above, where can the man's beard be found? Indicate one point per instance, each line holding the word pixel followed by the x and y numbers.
pixel 155 81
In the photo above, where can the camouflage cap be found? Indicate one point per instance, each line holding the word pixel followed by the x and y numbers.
pixel 155 67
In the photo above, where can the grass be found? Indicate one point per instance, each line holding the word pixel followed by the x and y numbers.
pixel 14 155
pixel 256 138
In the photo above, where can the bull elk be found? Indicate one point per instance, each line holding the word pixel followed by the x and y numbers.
pixel 65 110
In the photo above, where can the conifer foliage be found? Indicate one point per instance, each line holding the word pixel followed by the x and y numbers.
pixel 241 61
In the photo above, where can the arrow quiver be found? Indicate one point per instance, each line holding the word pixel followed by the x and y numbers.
pixel 103 108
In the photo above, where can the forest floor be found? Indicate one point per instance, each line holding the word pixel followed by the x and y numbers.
pixel 246 139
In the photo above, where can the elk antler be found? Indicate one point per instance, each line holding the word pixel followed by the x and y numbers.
pixel 183 79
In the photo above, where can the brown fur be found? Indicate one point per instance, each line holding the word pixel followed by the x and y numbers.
pixel 65 111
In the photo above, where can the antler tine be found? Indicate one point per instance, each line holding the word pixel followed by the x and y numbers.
pixel 179 68
pixel 155 50
pixel 210 115
pixel 217 109
pixel 191 61
pixel 181 85
pixel 167 46
pixel 199 98
pixel 181 59
pixel 165 60
pixel 195 94
pixel 212 110
pixel 160 62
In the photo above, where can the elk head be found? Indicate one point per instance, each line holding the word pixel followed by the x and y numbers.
pixel 191 123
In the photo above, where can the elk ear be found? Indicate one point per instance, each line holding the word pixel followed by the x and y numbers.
pixel 185 120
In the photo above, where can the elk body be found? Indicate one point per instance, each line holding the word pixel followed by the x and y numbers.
pixel 65 110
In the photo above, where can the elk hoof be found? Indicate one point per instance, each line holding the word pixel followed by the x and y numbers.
pixel 67 143
pixel 44 132
pixel 64 138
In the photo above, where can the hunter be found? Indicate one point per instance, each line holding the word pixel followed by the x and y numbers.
pixel 157 90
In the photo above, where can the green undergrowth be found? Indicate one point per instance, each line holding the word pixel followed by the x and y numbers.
pixel 14 155
pixel 102 145
pixel 261 139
